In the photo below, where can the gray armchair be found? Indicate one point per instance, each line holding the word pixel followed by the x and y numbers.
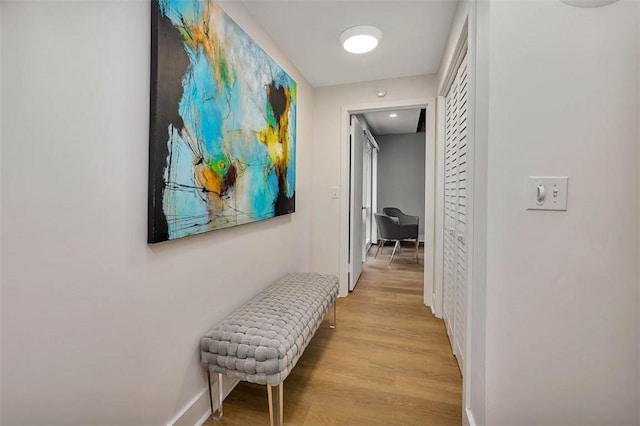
pixel 404 219
pixel 391 229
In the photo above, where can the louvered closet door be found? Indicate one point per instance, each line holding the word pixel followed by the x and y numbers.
pixel 455 213
pixel 460 297
pixel 450 203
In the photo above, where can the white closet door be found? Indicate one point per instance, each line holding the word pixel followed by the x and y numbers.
pixel 455 213
pixel 460 304
pixel 450 203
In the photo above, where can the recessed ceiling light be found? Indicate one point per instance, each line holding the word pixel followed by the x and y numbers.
pixel 360 39
pixel 393 115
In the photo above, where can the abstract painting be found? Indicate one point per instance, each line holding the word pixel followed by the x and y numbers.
pixel 223 124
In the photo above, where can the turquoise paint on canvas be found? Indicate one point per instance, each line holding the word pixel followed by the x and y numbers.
pixel 225 141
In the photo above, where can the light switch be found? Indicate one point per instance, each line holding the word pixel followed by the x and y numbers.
pixel 547 192
pixel 335 192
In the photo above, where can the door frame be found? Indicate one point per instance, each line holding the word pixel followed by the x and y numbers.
pixel 372 147
pixel 373 188
pixel 430 162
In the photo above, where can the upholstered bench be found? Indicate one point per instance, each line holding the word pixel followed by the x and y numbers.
pixel 262 341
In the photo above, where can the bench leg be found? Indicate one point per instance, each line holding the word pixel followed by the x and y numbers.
pixel 332 321
pixel 275 395
pixel 217 414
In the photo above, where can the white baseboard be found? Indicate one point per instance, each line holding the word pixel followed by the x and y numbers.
pixel 198 410
pixel 204 418
pixel 468 418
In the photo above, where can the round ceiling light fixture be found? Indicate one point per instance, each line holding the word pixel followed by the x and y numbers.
pixel 360 39
pixel 393 115
pixel 588 3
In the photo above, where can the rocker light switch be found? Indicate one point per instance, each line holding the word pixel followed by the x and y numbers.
pixel 547 192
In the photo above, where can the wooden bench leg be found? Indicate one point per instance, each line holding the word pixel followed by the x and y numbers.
pixel 217 414
pixel 275 395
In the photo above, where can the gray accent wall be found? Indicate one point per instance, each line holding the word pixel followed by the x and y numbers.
pixel 401 162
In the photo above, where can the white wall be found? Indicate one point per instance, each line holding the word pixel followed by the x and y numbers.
pixel 97 326
pixel 562 287
pixel 327 149
pixel 401 174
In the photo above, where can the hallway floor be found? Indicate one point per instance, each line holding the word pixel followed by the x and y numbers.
pixel 388 362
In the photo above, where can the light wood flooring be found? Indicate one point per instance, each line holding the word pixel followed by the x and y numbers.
pixel 388 362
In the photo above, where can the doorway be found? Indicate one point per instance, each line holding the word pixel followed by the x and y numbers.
pixel 347 248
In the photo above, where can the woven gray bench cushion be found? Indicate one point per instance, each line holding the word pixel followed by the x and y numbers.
pixel 262 341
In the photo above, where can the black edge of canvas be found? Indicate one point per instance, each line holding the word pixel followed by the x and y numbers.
pixel 154 190
pixel 153 89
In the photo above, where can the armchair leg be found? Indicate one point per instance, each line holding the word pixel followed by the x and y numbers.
pixel 380 244
pixel 394 251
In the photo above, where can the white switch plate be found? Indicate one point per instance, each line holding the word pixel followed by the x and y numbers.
pixel 335 192
pixel 547 192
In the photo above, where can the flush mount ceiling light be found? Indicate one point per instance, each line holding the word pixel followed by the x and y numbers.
pixel 360 39
pixel 588 3
pixel 393 115
pixel 381 92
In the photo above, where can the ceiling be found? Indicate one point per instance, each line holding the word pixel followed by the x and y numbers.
pixel 413 36
pixel 381 124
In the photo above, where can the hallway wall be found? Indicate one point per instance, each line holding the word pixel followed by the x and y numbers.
pixel 98 327
pixel 562 287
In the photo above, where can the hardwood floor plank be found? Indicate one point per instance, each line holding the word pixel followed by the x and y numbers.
pixel 388 362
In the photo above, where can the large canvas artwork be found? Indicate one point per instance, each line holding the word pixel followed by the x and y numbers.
pixel 223 125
